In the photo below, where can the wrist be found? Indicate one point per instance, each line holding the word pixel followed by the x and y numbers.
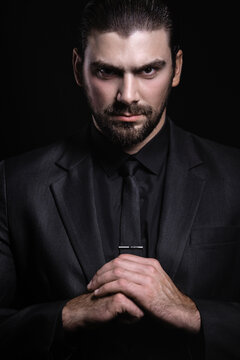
pixel 191 317
pixel 67 319
pixel 72 318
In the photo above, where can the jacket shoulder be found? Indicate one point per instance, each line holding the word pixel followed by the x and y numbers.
pixel 45 161
pixel 216 155
pixel 33 163
pixel 223 156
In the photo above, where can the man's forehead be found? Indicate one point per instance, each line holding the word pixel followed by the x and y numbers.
pixel 138 48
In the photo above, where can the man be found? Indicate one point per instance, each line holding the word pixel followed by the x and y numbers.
pixel 86 275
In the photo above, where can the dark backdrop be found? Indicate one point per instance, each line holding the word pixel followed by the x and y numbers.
pixel 41 103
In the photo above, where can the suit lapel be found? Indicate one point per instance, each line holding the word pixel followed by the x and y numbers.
pixel 74 197
pixel 185 180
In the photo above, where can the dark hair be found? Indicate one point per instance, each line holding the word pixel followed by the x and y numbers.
pixel 125 16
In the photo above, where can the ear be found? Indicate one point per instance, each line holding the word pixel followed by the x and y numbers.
pixel 77 66
pixel 178 68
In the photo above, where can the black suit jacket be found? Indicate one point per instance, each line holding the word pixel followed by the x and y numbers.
pixel 50 247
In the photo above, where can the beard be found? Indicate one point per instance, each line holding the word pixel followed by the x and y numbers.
pixel 127 134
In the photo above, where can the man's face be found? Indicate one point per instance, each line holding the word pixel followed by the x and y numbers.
pixel 127 81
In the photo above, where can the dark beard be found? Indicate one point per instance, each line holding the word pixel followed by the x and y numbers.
pixel 124 134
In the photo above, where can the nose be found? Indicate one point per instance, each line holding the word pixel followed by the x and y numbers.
pixel 128 90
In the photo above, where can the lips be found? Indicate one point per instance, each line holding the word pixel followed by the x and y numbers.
pixel 127 117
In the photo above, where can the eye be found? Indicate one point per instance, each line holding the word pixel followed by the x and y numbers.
pixel 105 73
pixel 149 72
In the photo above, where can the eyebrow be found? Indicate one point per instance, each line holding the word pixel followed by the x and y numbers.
pixel 157 63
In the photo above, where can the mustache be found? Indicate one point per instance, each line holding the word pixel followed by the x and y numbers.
pixel 119 108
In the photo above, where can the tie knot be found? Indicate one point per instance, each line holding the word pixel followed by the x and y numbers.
pixel 129 167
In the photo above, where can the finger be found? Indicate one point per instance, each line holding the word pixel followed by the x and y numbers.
pixel 137 259
pixel 131 290
pixel 129 262
pixel 124 259
pixel 131 259
pixel 119 273
pixel 124 305
pixel 146 267
pixel 140 264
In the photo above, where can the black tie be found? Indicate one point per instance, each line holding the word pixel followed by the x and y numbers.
pixel 130 235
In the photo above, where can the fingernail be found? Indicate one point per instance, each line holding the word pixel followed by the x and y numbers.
pixel 89 285
pixel 96 291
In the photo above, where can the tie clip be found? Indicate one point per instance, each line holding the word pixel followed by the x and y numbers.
pixel 130 247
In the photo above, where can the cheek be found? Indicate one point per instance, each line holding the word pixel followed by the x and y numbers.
pixel 154 91
pixel 101 92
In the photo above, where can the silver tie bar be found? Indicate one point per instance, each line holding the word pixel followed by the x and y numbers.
pixel 130 247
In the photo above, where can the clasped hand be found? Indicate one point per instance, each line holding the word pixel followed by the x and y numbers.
pixel 132 286
pixel 147 286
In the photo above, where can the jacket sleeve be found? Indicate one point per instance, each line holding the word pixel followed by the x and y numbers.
pixel 220 329
pixel 24 332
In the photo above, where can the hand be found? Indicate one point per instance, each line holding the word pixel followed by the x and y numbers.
pixel 86 310
pixel 144 281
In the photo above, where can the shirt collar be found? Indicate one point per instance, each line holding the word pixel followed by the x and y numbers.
pixel 154 153
pixel 111 157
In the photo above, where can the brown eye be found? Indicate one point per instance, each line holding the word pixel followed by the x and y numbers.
pixel 149 71
pixel 105 73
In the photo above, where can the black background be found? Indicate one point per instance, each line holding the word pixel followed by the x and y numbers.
pixel 41 102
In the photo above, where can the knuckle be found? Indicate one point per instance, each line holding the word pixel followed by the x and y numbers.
pixel 155 263
pixel 118 298
pixel 102 289
pixel 151 269
pixel 117 272
pixel 151 281
pixel 116 261
pixel 97 273
pixel 122 283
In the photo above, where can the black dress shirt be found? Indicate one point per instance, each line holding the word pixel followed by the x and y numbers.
pixel 150 174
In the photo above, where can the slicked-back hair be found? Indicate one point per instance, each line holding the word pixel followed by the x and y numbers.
pixel 127 16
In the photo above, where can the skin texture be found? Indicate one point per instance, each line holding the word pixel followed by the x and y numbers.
pixel 133 83
pixel 135 286
pixel 130 285
pixel 145 282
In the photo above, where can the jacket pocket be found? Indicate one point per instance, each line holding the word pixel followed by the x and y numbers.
pixel 215 236
pixel 210 265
